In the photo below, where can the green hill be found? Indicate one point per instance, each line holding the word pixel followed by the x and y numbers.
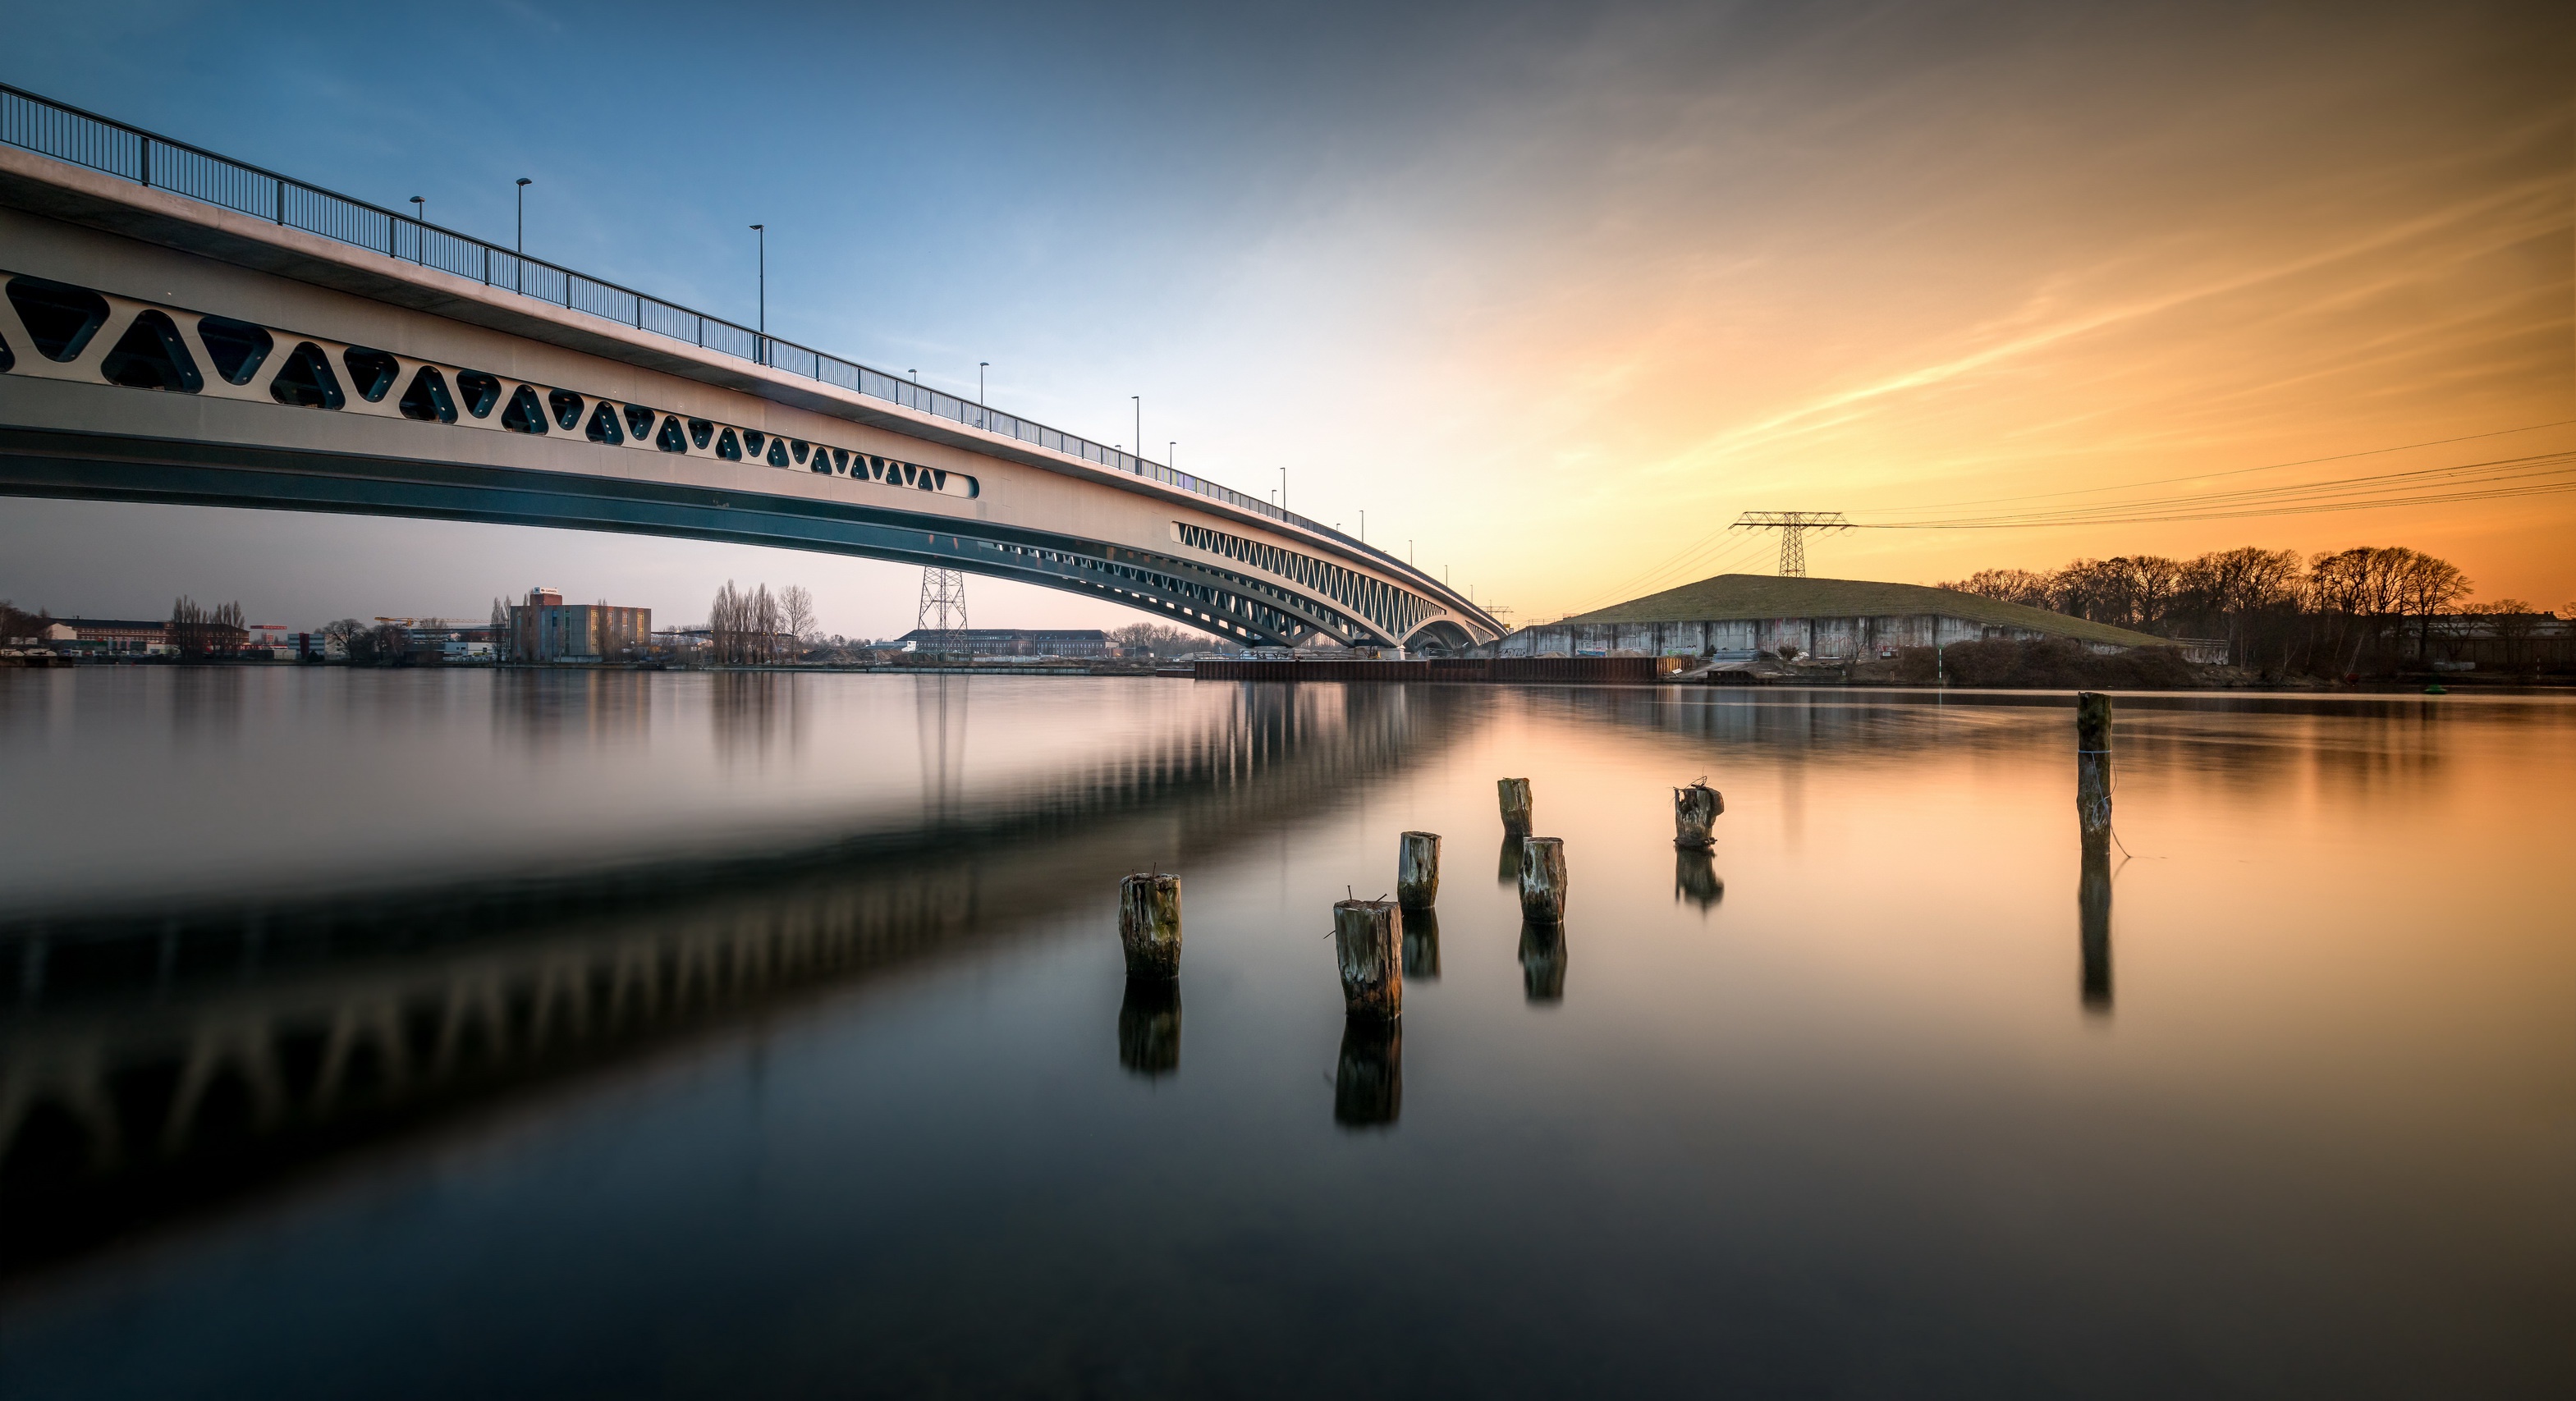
pixel 1732 596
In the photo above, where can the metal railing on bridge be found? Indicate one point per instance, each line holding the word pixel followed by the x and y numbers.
pixel 67 133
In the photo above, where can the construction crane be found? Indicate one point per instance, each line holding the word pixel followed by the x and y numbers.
pixel 1793 527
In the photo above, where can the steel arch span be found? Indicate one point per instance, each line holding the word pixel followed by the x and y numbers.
pixel 158 346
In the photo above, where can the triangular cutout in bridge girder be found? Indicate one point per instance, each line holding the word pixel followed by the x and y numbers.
pixel 304 379
pixel 427 399
pixel 525 414
pixel 150 355
pixel 60 318
pixel 238 348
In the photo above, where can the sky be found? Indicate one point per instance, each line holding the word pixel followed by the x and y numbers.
pixel 1549 292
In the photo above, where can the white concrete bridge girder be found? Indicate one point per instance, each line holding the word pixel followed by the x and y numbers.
pixel 372 399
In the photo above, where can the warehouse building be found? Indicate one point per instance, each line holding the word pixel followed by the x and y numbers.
pixel 1739 616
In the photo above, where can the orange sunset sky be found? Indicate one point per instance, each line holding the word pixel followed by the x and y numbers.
pixel 1549 293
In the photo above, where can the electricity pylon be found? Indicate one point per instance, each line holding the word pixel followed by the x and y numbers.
pixel 1793 527
pixel 941 625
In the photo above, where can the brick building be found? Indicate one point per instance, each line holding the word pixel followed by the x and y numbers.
pixel 547 629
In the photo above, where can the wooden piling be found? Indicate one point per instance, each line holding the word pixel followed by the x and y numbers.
pixel 1417 871
pixel 1149 1026
pixel 1514 794
pixel 2093 769
pixel 1543 879
pixel 1149 925
pixel 1368 943
pixel 1695 811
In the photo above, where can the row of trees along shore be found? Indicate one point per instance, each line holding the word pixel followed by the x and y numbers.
pixel 2333 613
pixel 199 631
pixel 754 626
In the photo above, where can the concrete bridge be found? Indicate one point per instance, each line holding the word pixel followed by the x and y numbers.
pixel 179 327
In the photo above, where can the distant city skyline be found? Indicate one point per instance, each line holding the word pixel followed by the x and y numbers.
pixel 1552 293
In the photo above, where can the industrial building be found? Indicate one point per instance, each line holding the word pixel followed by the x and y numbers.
pixel 1739 616
pixel 547 629
pixel 1014 642
pixel 136 637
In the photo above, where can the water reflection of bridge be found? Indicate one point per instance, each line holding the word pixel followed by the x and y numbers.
pixel 158 1056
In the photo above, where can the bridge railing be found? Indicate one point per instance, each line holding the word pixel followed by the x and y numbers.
pixel 65 133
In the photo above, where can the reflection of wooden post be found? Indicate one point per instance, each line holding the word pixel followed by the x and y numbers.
pixel 1542 961
pixel 1417 871
pixel 1367 938
pixel 2093 903
pixel 1368 1086
pixel 1695 811
pixel 1507 865
pixel 1515 796
pixel 1695 878
pixel 1543 879
pixel 1149 924
pixel 1149 1026
pixel 2093 768
pixel 1422 944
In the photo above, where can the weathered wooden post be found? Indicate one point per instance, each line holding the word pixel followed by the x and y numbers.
pixel 1422 945
pixel 1367 942
pixel 1695 811
pixel 1695 878
pixel 1417 871
pixel 1368 1085
pixel 2093 907
pixel 1149 925
pixel 1542 961
pixel 1543 879
pixel 2093 768
pixel 1149 1026
pixel 1515 796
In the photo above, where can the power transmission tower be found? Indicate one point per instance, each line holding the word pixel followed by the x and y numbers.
pixel 941 625
pixel 1793 527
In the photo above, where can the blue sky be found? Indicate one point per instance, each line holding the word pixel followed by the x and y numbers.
pixel 1549 291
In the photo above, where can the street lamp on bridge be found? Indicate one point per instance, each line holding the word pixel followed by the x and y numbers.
pixel 763 231
pixel 524 183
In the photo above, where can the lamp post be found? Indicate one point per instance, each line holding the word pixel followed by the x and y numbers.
pixel 980 367
pixel 1140 429
pixel 1363 527
pixel 420 209
pixel 524 183
pixel 763 231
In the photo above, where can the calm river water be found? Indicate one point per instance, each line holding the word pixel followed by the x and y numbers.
pixel 414 1034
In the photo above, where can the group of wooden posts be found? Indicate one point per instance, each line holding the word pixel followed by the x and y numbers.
pixel 1368 935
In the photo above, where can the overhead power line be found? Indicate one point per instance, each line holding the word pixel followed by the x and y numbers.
pixel 2535 475
pixel 2243 471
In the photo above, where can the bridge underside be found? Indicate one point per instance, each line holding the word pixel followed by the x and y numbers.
pixel 112 467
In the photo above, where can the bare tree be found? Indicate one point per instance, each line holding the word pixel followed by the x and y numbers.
pixel 17 622
pixel 2007 586
pixel 798 606
pixel 1154 639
